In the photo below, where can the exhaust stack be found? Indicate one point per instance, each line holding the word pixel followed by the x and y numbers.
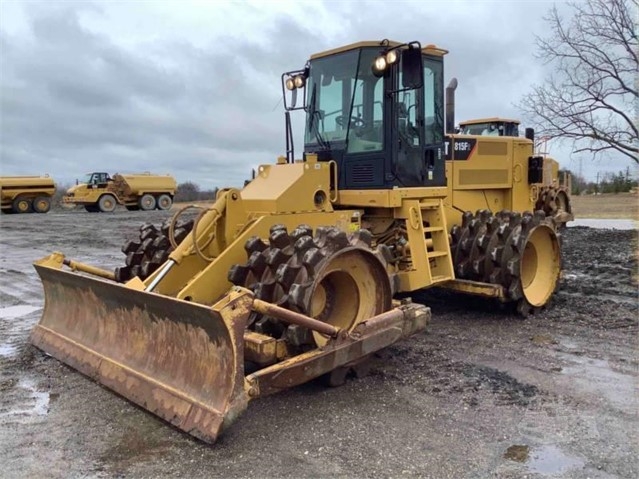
pixel 450 106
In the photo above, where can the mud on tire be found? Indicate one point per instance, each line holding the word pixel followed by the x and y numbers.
pixel 289 269
pixel 520 252
pixel 552 200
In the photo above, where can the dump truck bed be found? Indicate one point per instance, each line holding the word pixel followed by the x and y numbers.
pixel 143 183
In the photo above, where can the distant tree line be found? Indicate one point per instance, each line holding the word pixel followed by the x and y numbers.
pixel 189 191
pixel 606 182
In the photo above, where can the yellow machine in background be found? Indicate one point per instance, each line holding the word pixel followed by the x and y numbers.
pixel 26 194
pixel 548 187
pixel 293 277
pixel 98 192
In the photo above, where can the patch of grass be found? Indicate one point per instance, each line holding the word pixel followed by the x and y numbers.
pixel 609 205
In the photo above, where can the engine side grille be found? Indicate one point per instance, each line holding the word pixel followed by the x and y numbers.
pixel 362 173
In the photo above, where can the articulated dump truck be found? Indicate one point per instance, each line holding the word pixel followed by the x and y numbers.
pixel 299 274
pixel 26 194
pixel 98 192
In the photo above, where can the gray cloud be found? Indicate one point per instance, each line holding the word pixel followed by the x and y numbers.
pixel 74 100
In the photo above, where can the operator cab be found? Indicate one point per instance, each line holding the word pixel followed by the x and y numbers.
pixel 490 127
pixel 376 110
pixel 96 180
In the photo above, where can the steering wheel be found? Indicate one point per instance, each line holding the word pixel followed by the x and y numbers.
pixel 354 121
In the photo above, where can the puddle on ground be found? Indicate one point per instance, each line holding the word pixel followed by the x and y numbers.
pixel 615 224
pixel 36 404
pixel 18 311
pixel 517 453
pixel 545 460
pixel 7 350
pixel 596 376
pixel 543 339
pixel 549 459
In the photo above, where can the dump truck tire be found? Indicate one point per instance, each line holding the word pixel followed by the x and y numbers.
pixel 164 202
pixel 22 205
pixel 146 202
pixel 107 203
pixel 42 204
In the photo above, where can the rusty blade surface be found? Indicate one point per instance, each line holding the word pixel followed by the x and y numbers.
pixel 181 361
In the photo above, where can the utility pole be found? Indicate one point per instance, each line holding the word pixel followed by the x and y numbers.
pixel 597 184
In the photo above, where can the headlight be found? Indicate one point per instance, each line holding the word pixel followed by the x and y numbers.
pixel 298 81
pixel 379 65
pixel 392 57
pixel 290 84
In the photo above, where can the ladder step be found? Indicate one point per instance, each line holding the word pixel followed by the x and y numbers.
pixel 429 206
pixel 437 254
pixel 433 229
pixel 439 278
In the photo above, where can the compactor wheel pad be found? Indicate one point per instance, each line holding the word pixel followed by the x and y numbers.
pixel 552 200
pixel 331 276
pixel 259 274
pixel 519 252
pixel 150 250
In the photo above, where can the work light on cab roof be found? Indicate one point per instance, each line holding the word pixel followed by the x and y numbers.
pixel 297 81
pixel 382 62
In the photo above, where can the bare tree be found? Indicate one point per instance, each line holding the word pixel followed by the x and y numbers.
pixel 591 96
pixel 187 191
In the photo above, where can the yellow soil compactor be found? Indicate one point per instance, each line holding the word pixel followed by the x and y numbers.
pixel 294 276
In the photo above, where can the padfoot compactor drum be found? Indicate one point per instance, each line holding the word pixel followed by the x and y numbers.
pixel 295 276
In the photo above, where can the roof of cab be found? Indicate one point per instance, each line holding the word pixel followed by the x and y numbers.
pixel 488 120
pixel 429 49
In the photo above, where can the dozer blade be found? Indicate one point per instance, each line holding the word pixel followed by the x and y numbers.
pixel 179 360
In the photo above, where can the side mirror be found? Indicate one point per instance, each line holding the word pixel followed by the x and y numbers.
pixel 412 68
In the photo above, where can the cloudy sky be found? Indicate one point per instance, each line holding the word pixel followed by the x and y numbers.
pixel 192 88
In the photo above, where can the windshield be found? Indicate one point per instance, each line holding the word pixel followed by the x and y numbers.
pixel 87 178
pixel 345 101
pixel 485 129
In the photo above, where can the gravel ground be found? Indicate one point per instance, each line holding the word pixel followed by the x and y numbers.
pixel 479 394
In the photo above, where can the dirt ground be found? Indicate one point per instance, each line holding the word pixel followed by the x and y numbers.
pixel 480 394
